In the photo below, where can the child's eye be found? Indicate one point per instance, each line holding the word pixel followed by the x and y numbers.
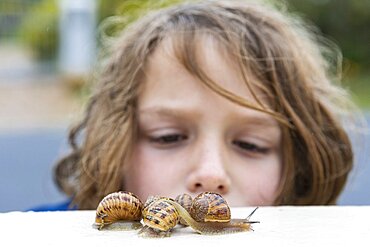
pixel 168 139
pixel 250 147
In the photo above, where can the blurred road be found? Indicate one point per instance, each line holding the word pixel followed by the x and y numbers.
pixel 36 109
pixel 26 161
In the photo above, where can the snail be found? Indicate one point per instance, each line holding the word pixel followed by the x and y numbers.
pixel 119 210
pixel 210 207
pixel 159 217
pixel 185 201
pixel 209 214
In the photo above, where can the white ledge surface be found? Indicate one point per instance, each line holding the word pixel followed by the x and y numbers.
pixel 280 226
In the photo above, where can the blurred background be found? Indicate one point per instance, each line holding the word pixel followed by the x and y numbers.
pixel 48 47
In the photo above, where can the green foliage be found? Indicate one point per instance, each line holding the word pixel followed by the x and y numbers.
pixel 129 10
pixel 359 86
pixel 39 29
pixel 346 22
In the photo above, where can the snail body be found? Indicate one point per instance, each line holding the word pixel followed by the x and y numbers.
pixel 231 226
pixel 210 214
pixel 119 210
pixel 185 201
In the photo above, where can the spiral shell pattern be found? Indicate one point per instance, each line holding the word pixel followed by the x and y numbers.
pixel 210 207
pixel 160 215
pixel 116 206
pixel 185 201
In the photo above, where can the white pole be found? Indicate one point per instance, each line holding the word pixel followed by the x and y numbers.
pixel 77 45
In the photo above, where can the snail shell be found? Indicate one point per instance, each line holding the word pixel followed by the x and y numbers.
pixel 159 214
pixel 118 206
pixel 210 207
pixel 185 201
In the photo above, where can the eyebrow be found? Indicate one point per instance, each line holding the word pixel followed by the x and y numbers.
pixel 259 121
pixel 252 120
pixel 167 112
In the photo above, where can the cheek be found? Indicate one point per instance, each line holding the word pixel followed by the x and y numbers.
pixel 259 182
pixel 267 187
pixel 151 173
pixel 269 180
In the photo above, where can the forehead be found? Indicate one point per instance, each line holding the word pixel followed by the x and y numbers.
pixel 174 86
pixel 207 60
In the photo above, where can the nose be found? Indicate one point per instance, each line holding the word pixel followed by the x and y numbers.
pixel 212 183
pixel 209 173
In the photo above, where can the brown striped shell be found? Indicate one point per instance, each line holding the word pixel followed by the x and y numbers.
pixel 185 201
pixel 159 214
pixel 210 207
pixel 151 199
pixel 117 206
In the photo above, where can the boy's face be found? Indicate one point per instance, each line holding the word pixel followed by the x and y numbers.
pixel 192 140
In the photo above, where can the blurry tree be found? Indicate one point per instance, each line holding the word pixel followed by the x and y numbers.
pixel 346 22
pixel 39 29
pixel 11 14
pixel 130 10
